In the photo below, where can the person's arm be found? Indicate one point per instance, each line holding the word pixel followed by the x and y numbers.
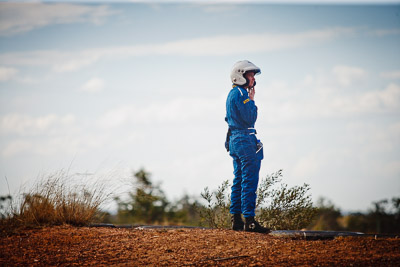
pixel 248 108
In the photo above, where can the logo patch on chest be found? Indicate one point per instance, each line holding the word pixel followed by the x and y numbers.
pixel 247 100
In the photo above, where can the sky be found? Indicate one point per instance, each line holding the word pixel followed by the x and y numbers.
pixel 104 89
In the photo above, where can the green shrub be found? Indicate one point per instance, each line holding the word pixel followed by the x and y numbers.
pixel 328 217
pixel 216 213
pixel 282 207
pixel 278 206
pixel 146 203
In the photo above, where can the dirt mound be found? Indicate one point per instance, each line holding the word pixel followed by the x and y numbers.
pixel 66 245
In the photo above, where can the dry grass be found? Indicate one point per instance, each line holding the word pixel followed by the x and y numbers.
pixel 57 199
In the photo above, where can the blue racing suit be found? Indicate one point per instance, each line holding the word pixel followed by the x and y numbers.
pixel 241 115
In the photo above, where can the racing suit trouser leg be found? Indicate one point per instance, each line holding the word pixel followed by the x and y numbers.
pixel 250 176
pixel 246 170
pixel 236 194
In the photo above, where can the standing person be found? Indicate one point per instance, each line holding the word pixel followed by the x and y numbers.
pixel 243 146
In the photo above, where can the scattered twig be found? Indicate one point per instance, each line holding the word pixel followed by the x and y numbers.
pixel 220 259
pixel 229 258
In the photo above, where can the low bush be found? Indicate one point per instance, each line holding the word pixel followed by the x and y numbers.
pixel 216 212
pixel 278 206
pixel 283 207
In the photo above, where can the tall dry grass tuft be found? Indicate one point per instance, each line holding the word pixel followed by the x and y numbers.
pixel 57 199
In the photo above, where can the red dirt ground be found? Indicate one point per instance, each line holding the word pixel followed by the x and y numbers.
pixel 67 245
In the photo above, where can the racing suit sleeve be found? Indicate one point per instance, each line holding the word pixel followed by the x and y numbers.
pixel 248 110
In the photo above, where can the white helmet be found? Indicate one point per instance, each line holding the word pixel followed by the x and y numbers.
pixel 240 68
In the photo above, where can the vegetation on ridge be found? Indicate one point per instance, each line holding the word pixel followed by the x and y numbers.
pixel 61 198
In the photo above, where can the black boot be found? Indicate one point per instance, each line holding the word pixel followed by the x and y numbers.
pixel 252 226
pixel 237 222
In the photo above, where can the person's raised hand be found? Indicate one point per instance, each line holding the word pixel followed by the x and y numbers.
pixel 252 92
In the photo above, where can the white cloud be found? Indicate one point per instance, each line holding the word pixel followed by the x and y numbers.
pixel 263 42
pixel 330 100
pixel 7 73
pixel 365 102
pixel 93 85
pixel 22 17
pixel 24 125
pixel 385 32
pixel 177 110
pixel 49 135
pixel 218 8
pixel 373 101
pixel 308 165
pixel 345 75
pixel 62 143
pixel 210 46
pixel 387 99
pixel 344 91
pixel 16 147
pixel 391 74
